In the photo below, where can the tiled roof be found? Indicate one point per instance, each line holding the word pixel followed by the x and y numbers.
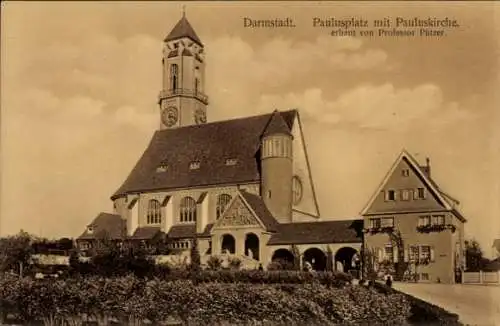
pixel 182 231
pixel 107 225
pixel 206 232
pixel 183 29
pixel 145 233
pixel 210 144
pixel 276 125
pixel 347 231
pixel 260 208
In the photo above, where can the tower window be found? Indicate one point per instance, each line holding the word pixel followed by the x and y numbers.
pixel 174 72
pixel 154 212
pixel 222 202
pixel 196 85
pixel 188 210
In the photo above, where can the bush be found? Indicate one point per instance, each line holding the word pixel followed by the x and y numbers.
pixel 234 263
pixel 130 299
pixel 214 263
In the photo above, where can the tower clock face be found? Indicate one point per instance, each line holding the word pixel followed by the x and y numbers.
pixel 200 116
pixel 169 116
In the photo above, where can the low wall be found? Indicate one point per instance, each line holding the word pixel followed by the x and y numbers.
pixel 481 277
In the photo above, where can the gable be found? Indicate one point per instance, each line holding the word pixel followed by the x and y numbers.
pixel 307 208
pixel 236 215
pixel 405 187
pixel 209 144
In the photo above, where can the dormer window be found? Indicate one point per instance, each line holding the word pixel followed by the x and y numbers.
pixel 194 165
pixel 176 45
pixel 162 168
pixel 90 229
pixel 231 161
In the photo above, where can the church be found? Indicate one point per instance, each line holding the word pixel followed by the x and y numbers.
pixel 241 187
pixel 244 187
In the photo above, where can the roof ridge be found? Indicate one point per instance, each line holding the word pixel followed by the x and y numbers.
pixel 231 120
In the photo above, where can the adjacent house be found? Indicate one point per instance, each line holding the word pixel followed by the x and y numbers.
pixel 411 220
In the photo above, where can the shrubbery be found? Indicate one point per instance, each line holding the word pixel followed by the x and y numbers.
pixel 132 300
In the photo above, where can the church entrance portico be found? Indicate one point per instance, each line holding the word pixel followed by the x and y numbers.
pixel 228 244
pixel 252 249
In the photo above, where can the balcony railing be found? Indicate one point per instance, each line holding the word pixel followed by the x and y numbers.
pixel 183 92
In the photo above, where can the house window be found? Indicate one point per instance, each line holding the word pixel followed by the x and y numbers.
pixel 390 195
pixel 188 210
pixel 231 161
pixel 222 202
pixel 194 165
pixel 424 220
pixel 405 173
pixel 389 253
pixel 425 252
pixel 424 276
pixel 413 253
pixel 174 72
pixel 154 212
pixel 196 85
pixel 405 194
pixel 387 222
pixel 176 45
pixel 438 219
pixel 375 223
pixel 420 193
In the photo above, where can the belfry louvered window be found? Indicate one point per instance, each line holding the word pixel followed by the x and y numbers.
pixel 174 71
pixel 188 210
pixel 222 202
pixel 154 212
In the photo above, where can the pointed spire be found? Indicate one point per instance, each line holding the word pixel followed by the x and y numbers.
pixel 276 125
pixel 183 29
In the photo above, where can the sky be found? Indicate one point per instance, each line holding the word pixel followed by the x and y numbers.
pixel 79 84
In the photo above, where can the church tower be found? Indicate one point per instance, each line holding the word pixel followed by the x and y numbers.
pixel 277 168
pixel 182 99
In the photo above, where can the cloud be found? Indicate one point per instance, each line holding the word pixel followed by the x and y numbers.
pixel 373 106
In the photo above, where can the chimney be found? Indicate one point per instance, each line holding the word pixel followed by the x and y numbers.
pixel 428 167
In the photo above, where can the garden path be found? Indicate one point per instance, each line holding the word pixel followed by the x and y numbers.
pixel 475 304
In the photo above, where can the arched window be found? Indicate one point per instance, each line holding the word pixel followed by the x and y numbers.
pixel 188 209
pixel 174 71
pixel 154 212
pixel 222 201
pixel 196 85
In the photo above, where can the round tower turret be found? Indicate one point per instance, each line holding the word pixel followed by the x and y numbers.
pixel 277 168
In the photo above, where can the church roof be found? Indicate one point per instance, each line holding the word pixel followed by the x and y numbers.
pixel 346 231
pixel 183 29
pixel 208 144
pixel 276 125
pixel 105 225
pixel 146 232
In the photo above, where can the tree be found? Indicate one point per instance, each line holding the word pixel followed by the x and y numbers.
pixel 474 260
pixel 329 259
pixel 195 256
pixel 15 252
pixel 296 257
